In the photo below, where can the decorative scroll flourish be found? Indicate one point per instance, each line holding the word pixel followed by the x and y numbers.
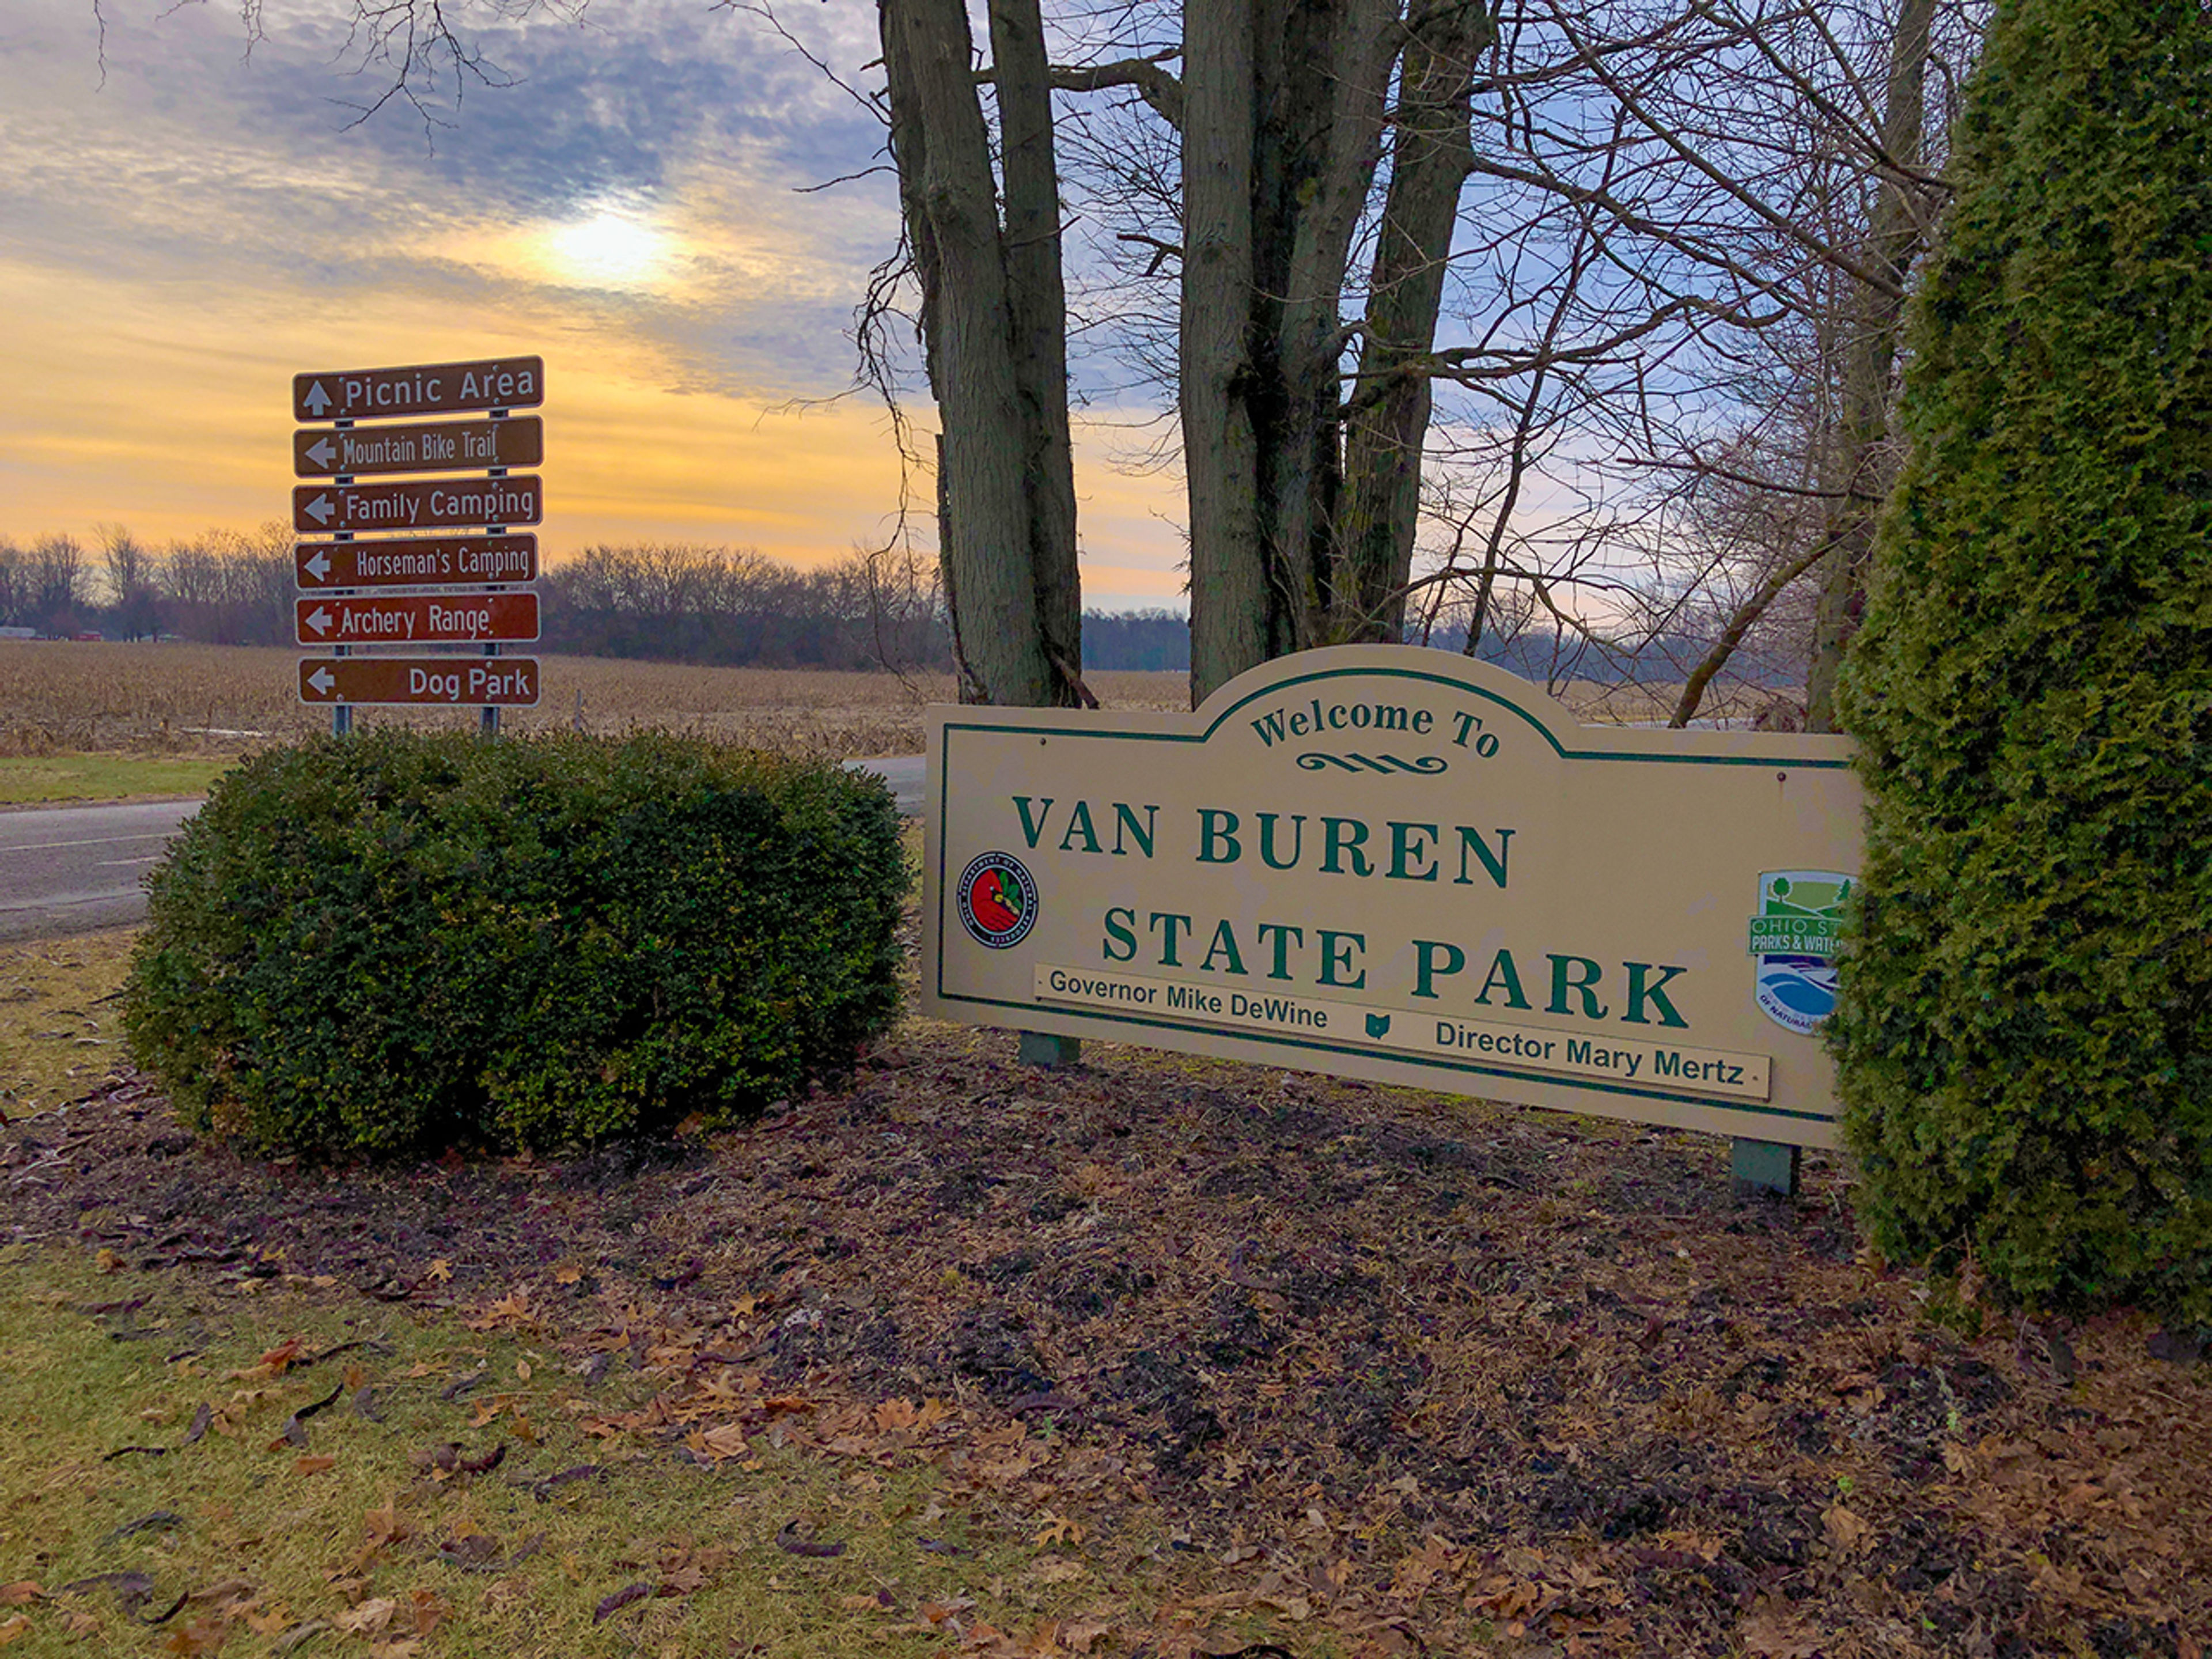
pixel 1427 765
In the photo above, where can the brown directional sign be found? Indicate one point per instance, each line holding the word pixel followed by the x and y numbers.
pixel 428 505
pixel 416 562
pixel 376 394
pixel 454 682
pixel 418 447
pixel 417 619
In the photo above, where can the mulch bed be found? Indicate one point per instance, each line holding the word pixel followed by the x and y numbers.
pixel 1425 1373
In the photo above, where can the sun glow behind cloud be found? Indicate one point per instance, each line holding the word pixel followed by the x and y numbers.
pixel 184 237
pixel 610 249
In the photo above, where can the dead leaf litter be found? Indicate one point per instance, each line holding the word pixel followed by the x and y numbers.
pixel 1425 1373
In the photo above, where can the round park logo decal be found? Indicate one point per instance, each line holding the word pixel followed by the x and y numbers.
pixel 998 900
pixel 1794 940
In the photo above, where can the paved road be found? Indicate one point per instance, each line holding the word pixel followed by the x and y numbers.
pixel 69 869
pixel 65 869
pixel 905 775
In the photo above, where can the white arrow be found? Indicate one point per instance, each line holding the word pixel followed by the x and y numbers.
pixel 320 620
pixel 322 679
pixel 320 452
pixel 320 509
pixel 317 399
pixel 319 566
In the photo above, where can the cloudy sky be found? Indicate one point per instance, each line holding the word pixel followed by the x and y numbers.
pixel 184 224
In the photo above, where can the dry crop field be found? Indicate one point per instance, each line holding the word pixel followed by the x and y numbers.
pixel 59 696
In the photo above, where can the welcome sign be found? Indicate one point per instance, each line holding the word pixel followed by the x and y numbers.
pixel 1400 865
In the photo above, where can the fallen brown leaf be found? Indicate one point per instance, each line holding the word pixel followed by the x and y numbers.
pixel 429 1611
pixel 621 1599
pixel 791 1544
pixel 1846 1531
pixel 267 1621
pixel 370 1616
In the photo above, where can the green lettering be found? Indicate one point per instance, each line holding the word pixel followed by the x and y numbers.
pixel 1120 922
pixel 1225 834
pixel 1503 972
pixel 1639 993
pixel 1471 841
pixel 1168 935
pixel 1585 983
pixel 1335 844
pixel 1032 830
pixel 1125 819
pixel 1331 957
pixel 1404 847
pixel 1285 938
pixel 1268 823
pixel 1225 944
pixel 1425 971
pixel 1078 824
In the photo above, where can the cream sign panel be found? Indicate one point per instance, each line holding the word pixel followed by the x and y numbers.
pixel 1399 864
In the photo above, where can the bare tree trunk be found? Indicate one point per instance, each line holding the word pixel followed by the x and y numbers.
pixel 1037 304
pixel 1431 154
pixel 1230 602
pixel 1282 132
pixel 1895 238
pixel 1322 94
pixel 1001 555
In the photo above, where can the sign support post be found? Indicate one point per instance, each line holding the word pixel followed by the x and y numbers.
pixel 1759 1167
pixel 488 716
pixel 1052 1054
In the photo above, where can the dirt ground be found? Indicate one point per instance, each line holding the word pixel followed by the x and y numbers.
pixel 1401 1374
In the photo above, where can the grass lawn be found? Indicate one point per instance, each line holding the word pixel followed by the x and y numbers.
pixel 191 1464
pixel 28 779
pixel 60 1032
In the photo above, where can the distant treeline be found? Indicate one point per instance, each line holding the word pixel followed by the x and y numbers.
pixel 669 603
pixel 664 602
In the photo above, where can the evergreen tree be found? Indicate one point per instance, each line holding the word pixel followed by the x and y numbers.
pixel 2024 1037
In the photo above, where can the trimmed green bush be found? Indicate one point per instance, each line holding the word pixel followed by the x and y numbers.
pixel 390 943
pixel 2025 1037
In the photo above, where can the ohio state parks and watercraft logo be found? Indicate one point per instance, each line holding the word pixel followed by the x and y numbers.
pixel 1794 941
pixel 998 900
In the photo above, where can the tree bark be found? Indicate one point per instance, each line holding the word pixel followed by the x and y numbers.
pixel 1322 142
pixel 1431 154
pixel 1037 303
pixel 1007 538
pixel 1895 238
pixel 1232 600
pixel 1284 104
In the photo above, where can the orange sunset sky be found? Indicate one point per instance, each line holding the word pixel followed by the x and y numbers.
pixel 184 224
